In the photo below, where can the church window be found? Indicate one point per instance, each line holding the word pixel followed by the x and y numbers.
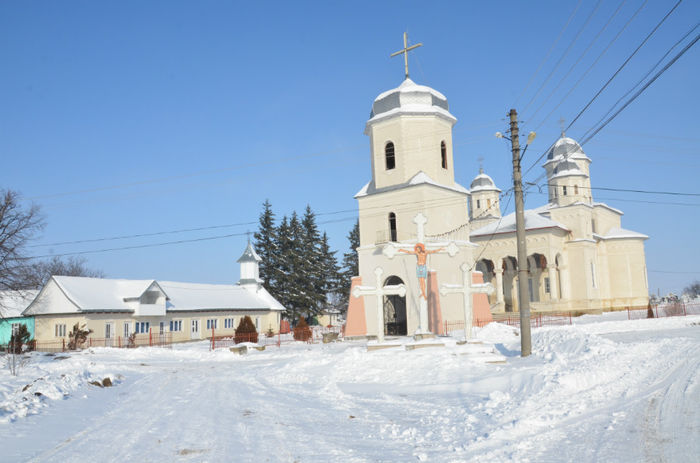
pixel 478 204
pixel 547 288
pixel 443 154
pixel 593 225
pixel 564 190
pixel 575 189
pixel 392 226
pixel 390 156
pixel 593 280
pixel 488 203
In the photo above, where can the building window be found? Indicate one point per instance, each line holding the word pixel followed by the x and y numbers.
pixel 161 328
pixel 546 285
pixel 595 284
pixel 593 226
pixel 127 329
pixel 564 190
pixel 175 325
pixel 390 156
pixel 257 323
pixel 142 327
pixel 392 226
pixel 60 330
pixel 488 203
pixel 15 328
pixel 229 323
pixel 478 204
pixel 575 189
pixel 212 323
pixel 443 154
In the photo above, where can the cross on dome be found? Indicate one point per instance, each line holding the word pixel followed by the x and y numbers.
pixel 405 51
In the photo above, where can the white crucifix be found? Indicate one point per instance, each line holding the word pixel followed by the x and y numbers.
pixel 468 289
pixel 421 250
pixel 379 292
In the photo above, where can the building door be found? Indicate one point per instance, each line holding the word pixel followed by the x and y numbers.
pixel 194 333
pixel 395 321
pixel 109 334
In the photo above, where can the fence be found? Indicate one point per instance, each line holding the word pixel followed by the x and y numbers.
pixel 164 339
pixel 276 339
pixel 537 320
pixel 666 309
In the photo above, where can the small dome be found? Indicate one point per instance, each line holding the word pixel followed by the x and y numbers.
pixel 410 98
pixel 567 148
pixel 483 182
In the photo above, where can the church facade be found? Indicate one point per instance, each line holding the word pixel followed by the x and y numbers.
pixel 580 257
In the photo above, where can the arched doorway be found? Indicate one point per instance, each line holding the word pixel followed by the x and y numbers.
pixel 536 267
pixel 486 267
pixel 395 322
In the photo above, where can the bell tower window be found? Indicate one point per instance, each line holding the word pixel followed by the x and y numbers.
pixel 390 156
pixel 443 154
pixel 392 226
pixel 478 204
pixel 564 190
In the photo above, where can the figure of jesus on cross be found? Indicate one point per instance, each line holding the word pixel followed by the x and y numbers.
pixel 421 267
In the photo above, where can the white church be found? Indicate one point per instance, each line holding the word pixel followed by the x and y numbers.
pixel 580 257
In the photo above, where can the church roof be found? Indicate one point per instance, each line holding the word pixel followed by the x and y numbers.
pixel 421 178
pixel 621 233
pixel 410 98
pixel 533 221
pixel 483 182
pixel 249 255
pixel 566 167
pixel 566 148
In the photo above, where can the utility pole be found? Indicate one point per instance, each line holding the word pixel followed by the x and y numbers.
pixel 524 306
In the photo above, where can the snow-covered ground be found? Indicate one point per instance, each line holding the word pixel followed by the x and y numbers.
pixel 603 389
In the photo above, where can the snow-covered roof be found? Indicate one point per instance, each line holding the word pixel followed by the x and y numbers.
pixel 566 148
pixel 13 303
pixel 533 221
pixel 249 255
pixel 115 295
pixel 621 233
pixel 483 182
pixel 421 178
pixel 566 168
pixel 410 98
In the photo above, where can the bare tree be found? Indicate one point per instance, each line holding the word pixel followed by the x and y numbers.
pixel 693 289
pixel 39 273
pixel 18 225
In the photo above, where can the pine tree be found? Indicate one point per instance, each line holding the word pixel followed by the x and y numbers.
pixel 281 273
pixel 298 287
pixel 312 263
pixel 350 263
pixel 265 245
pixel 331 279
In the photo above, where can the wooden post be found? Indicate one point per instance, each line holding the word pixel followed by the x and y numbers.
pixel 150 336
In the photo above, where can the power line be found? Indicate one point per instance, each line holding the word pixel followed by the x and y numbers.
pixel 566 52
pixel 623 65
pixel 551 48
pixel 625 190
pixel 571 69
pixel 641 90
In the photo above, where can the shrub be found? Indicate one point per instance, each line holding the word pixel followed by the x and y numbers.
pixel 77 337
pixel 302 332
pixel 650 311
pixel 18 339
pixel 246 331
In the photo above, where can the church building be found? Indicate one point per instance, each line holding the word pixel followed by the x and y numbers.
pixel 579 256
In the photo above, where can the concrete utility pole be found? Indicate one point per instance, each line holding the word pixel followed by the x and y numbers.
pixel 525 339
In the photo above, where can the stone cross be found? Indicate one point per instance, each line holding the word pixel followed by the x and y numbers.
pixel 391 249
pixel 379 292
pixel 467 290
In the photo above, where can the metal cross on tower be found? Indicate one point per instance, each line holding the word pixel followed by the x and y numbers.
pixel 467 290
pixel 379 292
pixel 405 51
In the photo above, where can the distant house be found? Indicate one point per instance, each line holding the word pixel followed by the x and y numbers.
pixel 114 309
pixel 330 317
pixel 12 304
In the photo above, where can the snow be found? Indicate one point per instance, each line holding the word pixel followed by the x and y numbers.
pixel 602 389
pixel 533 221
pixel 12 303
pixel 617 233
pixel 421 178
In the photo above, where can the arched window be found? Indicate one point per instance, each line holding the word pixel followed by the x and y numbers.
pixel 443 154
pixel 392 226
pixel 390 156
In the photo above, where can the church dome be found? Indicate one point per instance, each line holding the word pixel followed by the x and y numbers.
pixel 410 98
pixel 567 168
pixel 567 148
pixel 482 182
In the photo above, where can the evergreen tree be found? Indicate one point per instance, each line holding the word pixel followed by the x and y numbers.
pixel 330 274
pixel 297 287
pixel 281 273
pixel 265 241
pixel 350 263
pixel 312 264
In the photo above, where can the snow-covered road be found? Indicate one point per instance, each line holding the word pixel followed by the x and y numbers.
pixel 600 390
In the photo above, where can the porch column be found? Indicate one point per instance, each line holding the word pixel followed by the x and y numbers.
pixel 553 286
pixel 499 286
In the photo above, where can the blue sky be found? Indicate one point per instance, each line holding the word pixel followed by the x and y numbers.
pixel 122 118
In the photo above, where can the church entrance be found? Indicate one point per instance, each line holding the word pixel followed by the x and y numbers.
pixel 395 311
